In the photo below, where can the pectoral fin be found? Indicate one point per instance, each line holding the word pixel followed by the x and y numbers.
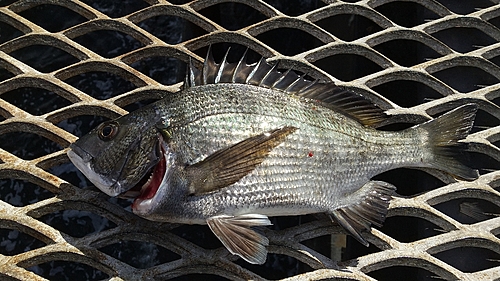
pixel 371 208
pixel 236 235
pixel 229 165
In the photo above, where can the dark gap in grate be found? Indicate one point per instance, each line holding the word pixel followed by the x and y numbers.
pixel 199 235
pixel 171 29
pixel 464 39
pixel 484 120
pixel 283 222
pixel 53 18
pixel 347 67
pixel 495 21
pixel 82 124
pixel 465 78
pixel 165 70
pixel 138 104
pixel 14 242
pixel 483 163
pixel 198 276
pixel 276 267
pixel 292 41
pixel 420 181
pixel 4 277
pixel 295 7
pixel 233 16
pixel 349 27
pixel 101 85
pixel 407 93
pixel 496 101
pixel 465 7
pixel 180 2
pixel 495 60
pixel 399 126
pixel 124 203
pixel 8 32
pixel 408 229
pixel 68 270
pixel 20 193
pixel 138 254
pixel 407 52
pixel 235 54
pixel 77 223
pixel 117 8
pixel 44 58
pixel 108 43
pixel 71 174
pixel 321 244
pixel 5 74
pixel 407 14
pixel 354 249
pixel 471 259
pixel 496 143
pixel 6 2
pixel 27 146
pixel 36 101
pixel 469 210
pixel 407 273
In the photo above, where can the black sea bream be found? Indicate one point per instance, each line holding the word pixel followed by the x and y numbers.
pixel 244 142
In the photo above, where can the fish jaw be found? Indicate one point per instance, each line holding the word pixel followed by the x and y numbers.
pixel 115 186
pixel 82 160
pixel 153 190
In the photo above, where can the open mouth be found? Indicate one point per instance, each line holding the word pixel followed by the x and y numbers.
pixel 148 186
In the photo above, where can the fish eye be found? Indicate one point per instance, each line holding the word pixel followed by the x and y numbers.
pixel 108 131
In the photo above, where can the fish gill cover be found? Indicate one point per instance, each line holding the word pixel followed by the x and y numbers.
pixel 96 60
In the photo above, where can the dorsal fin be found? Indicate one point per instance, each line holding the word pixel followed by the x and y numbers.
pixel 265 75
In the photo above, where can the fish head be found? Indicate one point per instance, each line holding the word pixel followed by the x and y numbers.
pixel 118 156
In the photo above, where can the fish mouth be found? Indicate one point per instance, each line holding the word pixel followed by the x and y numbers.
pixel 147 187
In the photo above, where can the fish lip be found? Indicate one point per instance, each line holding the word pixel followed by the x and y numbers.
pixel 81 159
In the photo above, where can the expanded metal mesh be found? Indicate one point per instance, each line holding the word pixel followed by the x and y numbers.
pixel 67 65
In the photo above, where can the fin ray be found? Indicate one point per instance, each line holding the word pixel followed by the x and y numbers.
pixel 228 165
pixel 444 134
pixel 370 209
pixel 236 235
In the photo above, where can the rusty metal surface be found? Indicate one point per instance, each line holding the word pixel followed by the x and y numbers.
pixel 460 64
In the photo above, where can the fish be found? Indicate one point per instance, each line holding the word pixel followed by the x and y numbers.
pixel 240 143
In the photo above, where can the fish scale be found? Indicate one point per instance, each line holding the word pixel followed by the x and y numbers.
pixel 243 142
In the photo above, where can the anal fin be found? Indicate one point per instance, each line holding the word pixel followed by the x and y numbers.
pixel 370 209
pixel 236 235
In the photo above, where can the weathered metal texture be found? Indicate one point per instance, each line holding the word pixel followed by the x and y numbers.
pixel 191 258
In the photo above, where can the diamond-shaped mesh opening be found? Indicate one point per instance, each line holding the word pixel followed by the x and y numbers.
pixel 67 66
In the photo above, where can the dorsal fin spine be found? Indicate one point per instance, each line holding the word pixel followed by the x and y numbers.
pixel 254 70
pixel 221 67
pixel 295 82
pixel 239 66
pixel 281 78
pixel 263 80
pixel 208 60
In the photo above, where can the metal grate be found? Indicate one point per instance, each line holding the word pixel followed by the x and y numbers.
pixel 67 65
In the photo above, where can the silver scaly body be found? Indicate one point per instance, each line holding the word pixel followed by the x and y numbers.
pixel 243 142
pixel 315 169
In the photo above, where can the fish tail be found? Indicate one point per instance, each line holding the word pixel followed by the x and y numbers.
pixel 444 134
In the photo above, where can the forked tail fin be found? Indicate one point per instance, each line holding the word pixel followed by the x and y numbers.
pixel 444 134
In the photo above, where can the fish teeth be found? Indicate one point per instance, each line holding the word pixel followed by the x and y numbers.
pixel 144 186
